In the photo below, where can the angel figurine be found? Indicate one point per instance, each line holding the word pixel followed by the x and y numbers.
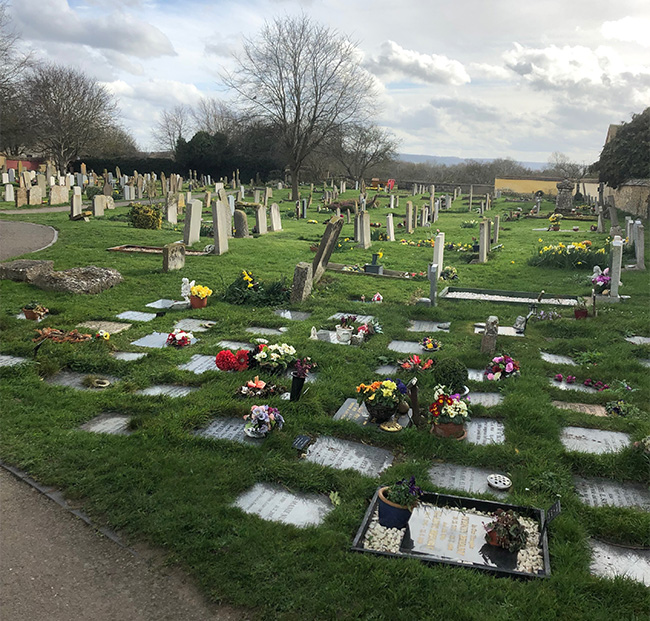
pixel 186 289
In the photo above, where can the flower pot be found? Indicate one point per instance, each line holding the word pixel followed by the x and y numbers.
pixel 254 433
pixel 197 302
pixel 492 538
pixel 580 313
pixel 555 227
pixel 380 413
pixel 475 248
pixel 576 228
pixel 390 514
pixel 449 430
pixel 343 334
pixel 31 314
pixel 296 387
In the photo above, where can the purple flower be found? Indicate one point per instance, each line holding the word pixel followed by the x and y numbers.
pixel 559 377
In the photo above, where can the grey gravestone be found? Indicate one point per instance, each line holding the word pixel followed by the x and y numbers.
pixel 484 431
pixel 597 492
pixel 386 369
pixel 11 361
pixel 163 303
pixel 464 478
pixel 326 247
pixel 199 364
pixel 71 379
pixel 598 441
pixel 405 347
pixel 192 227
pixel 173 257
pixel 136 316
pixel 292 315
pixel 228 429
pixel 360 318
pixel 194 325
pixel 114 424
pixel 156 340
pixel 644 362
pixel 303 282
pixel 235 345
pixel 556 359
pixel 583 408
pixel 241 224
pixel 329 336
pixel 428 326
pixel 476 375
pixel 490 332
pixel 479 328
pixel 167 390
pixel 608 561
pixel 638 340
pixel 487 399
pixel 574 386
pixel 266 331
pixel 351 410
pixel 346 455
pixel 276 504
pixel 128 356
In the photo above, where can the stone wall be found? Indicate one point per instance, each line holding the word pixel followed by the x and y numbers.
pixel 632 197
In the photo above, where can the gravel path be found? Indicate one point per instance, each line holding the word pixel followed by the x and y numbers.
pixel 18 238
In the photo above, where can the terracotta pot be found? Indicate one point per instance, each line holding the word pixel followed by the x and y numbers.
pixel 492 538
pixel 391 515
pixel 30 314
pixel 580 313
pixel 555 227
pixel 197 302
pixel 449 430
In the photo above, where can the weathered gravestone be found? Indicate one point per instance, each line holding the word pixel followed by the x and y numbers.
pixel 564 198
pixel 241 224
pixel 58 195
pixel 99 204
pixel 220 226
pixel 173 257
pixel 276 222
pixel 489 339
pixel 346 455
pixel 192 227
pixel 260 220
pixel 171 207
pixel 326 247
pixel 9 193
pixel 21 197
pixel 302 282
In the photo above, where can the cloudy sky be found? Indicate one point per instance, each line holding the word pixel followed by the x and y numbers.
pixel 470 78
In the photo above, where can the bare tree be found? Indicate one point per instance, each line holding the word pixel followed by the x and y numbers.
pixel 559 164
pixel 68 110
pixel 113 142
pixel 173 124
pixel 361 146
pixel 215 117
pixel 303 78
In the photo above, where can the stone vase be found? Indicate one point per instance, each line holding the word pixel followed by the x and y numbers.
pixel 343 334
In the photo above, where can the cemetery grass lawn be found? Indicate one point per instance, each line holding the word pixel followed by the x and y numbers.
pixel 175 490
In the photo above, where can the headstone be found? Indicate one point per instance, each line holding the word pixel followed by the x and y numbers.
pixel 276 222
pixel 292 315
pixel 497 222
pixel 409 217
pixel 483 241
pixel 192 228
pixel 231 429
pixel 167 390
pixel 9 193
pixel 390 227
pixel 110 423
pixel 598 492
pixel 34 195
pixel 489 339
pixel 75 205
pixel 432 276
pixel 136 316
pixel 302 282
pixel 483 431
pixel 173 257
pixel 428 326
pixel 597 441
pixel 199 364
pixel 639 244
pixel 260 220
pixel 171 207
pixel 58 195
pixel 220 226
pixel 392 201
pixel 107 190
pixel 564 198
pixel 439 252
pixel 364 230
pixel 346 455
pixel 617 265
pixel 447 201
pixel 99 203
pixel 326 247
pixel 615 229
pixel 5 178
pixel 241 224
pixel 405 347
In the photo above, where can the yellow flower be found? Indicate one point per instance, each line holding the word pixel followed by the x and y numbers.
pixel 511 261
pixel 106 336
pixel 540 240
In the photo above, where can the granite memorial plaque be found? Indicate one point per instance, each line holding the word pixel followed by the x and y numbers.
pixel 194 325
pixel 386 369
pixel 228 429
pixel 583 408
pixel 235 345
pixel 112 327
pixel 351 410
pixel 301 443
pixel 484 431
pixel 428 326
pixel 11 361
pixel 598 492
pixel 556 359
pixel 476 375
pixel 199 363
pixel 72 379
pixel 292 315
pixel 167 390
pixel 597 441
pixel 360 318
pixel 370 461
pixel 608 561
pixel 128 356
pixel 486 399
pixel 464 478
pixel 479 328
pixel 406 347
pixel 266 331
pixel 136 316
pixel 638 340
pixel 156 340
pixel 109 422
pixel 276 504
pixel 575 386
pixel 163 303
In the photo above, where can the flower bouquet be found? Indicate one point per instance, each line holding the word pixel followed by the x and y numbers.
pixel 414 363
pixel 257 388
pixel 601 280
pixel 199 296
pixel 34 311
pixel 501 367
pixel 448 413
pixel 382 399
pixel 449 273
pixel 430 344
pixel 261 420
pixel 275 358
pixel 179 338
pixel 229 361
pixel 554 220
pixel 102 335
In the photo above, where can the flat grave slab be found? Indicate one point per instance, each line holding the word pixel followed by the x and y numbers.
pixel 136 316
pixel 75 380
pixel 109 422
pixel 236 345
pixel 164 303
pixel 11 361
pixel 609 561
pixel 370 461
pixel 155 340
pixel 574 386
pixel 645 362
pixel 329 336
pixel 428 326
pixel 597 441
pixel 461 293
pixel 479 328
pixel 386 369
pixel 483 431
pixel 464 478
pixel 486 399
pixel 199 363
pixel 638 340
pixel 112 327
pixel 194 325
pixel 360 318
pixel 292 315
pixel 583 408
pixel 276 504
pixel 266 331
pixel 228 429
pixel 599 492
pixel 358 413
pixel 557 359
pixel 476 375
pixel 167 390
pixel 128 356
pixel 406 347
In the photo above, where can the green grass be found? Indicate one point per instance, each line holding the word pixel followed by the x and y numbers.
pixel 174 490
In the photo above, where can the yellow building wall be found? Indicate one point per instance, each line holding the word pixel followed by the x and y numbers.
pixel 526 186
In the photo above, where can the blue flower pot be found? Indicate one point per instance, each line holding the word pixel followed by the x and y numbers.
pixel 390 514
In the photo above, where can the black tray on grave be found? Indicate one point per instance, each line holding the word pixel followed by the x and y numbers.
pixel 483 556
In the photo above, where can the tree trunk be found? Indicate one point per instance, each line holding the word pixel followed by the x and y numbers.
pixel 294 183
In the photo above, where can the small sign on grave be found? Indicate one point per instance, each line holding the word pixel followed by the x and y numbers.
pixel 301 443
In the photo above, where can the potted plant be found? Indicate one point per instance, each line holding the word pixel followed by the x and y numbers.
pixel 301 369
pixel 275 358
pixel 429 344
pixel 261 420
pixel 34 311
pixel 506 531
pixel 580 309
pixel 502 367
pixel 396 502
pixel 554 220
pixel 199 296
pixel 448 414
pixel 345 328
pixel 475 245
pixel 382 399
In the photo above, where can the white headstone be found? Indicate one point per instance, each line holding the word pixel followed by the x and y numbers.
pixel 390 227
pixel 439 251
pixel 192 228
pixel 617 264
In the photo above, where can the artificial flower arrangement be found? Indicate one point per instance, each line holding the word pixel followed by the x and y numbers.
pixel 274 358
pixel 226 360
pixel 449 273
pixel 200 291
pixel 414 363
pixel 430 344
pixel 102 335
pixel 601 280
pixel 262 419
pixel 378 297
pixel 258 388
pixel 448 408
pixel 382 398
pixel 303 367
pixel 179 338
pixel 502 367
pixel 555 219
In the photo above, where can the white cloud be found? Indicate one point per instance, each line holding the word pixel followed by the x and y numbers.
pixel 489 72
pixel 395 63
pixel 629 29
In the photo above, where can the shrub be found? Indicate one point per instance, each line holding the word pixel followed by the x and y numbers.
pixel 452 373
pixel 145 216
pixel 92 191
pixel 246 290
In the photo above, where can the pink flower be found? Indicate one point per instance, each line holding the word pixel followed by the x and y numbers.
pixel 490 376
pixel 509 367
pixel 559 377
pixel 570 379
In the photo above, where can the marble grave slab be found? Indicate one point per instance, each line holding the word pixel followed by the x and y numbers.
pixel 428 326
pixel 292 315
pixel 484 431
pixel 136 316
pixel 583 408
pixel 128 356
pixel 266 331
pixel 228 429
pixel 608 561
pixel 597 441
pixel 370 461
pixel 557 359
pixel 386 369
pixel 164 303
pixel 75 380
pixel 199 363
pixel 599 492
pixel 479 328
pixel 464 478
pixel 406 347
pixel 167 390
pixel 486 399
pixel 109 422
pixel 194 325
pixel 360 318
pixel 155 340
pixel 112 327
pixel 11 361
pixel 235 345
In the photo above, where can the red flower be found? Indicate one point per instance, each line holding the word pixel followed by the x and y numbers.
pixel 241 358
pixel 226 360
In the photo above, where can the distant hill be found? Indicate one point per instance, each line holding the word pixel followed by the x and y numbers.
pixel 451 161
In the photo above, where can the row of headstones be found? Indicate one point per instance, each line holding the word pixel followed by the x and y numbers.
pixel 635 233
